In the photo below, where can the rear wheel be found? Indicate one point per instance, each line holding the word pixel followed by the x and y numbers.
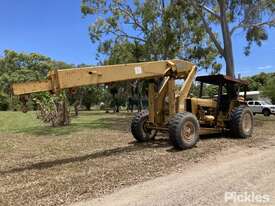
pixel 266 112
pixel 242 122
pixel 139 127
pixel 184 130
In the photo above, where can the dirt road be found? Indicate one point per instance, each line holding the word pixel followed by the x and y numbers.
pixel 251 170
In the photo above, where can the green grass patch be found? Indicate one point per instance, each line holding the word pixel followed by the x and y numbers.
pixel 18 122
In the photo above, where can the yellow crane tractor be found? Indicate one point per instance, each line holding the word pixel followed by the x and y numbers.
pixel 170 109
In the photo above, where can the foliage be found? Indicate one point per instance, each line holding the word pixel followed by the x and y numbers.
pixel 177 28
pixel 269 89
pixel 211 90
pixel 252 16
pixel 93 95
pixel 21 67
pixel 208 90
pixel 263 82
pixel 257 81
pixel 4 102
pixel 53 109
pixel 153 29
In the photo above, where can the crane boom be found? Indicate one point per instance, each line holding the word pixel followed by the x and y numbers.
pixel 76 77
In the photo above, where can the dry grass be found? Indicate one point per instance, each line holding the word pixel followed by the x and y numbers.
pixel 95 155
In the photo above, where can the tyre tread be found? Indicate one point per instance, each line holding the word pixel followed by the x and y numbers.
pixel 175 130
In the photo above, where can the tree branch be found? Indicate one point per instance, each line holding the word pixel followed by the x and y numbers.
pixel 124 34
pixel 210 11
pixel 247 26
pixel 128 11
pixel 242 24
pixel 207 28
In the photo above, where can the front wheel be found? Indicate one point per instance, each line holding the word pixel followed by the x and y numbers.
pixel 184 130
pixel 242 122
pixel 138 127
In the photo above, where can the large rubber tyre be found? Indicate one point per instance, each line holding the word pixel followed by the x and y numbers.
pixel 266 112
pixel 138 129
pixel 184 130
pixel 242 122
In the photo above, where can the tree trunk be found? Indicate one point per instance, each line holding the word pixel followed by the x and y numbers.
pixel 228 52
pixel 76 107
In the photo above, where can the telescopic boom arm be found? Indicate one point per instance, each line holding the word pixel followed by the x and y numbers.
pixel 70 78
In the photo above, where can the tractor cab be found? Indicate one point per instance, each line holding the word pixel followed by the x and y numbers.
pixel 217 97
pixel 226 88
pixel 226 84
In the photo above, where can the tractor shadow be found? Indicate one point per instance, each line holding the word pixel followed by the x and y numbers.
pixel 131 147
pixel 161 141
pixel 225 135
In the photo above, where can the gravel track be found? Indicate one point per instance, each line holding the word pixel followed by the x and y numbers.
pixel 250 170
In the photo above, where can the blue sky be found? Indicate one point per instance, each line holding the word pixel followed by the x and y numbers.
pixel 56 28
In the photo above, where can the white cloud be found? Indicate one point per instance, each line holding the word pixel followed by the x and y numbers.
pixel 265 67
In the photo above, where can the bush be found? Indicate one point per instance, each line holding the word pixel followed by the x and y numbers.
pixel 4 103
pixel 53 109
pixel 269 89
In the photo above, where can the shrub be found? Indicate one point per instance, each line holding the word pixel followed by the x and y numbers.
pixel 4 102
pixel 53 109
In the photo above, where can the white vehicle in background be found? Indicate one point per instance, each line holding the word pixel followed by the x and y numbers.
pixel 261 107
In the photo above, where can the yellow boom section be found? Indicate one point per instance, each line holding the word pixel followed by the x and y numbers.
pixel 69 78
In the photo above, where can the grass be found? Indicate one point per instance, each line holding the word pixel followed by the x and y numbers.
pixel 15 121
pixel 18 122
pixel 27 123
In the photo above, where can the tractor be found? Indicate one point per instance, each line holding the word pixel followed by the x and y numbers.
pixel 171 110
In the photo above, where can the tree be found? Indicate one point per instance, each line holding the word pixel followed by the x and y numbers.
pixel 263 82
pixel 142 31
pixel 19 67
pixel 269 89
pixel 156 26
pixel 53 109
pixel 92 95
pixel 252 16
pixel 257 81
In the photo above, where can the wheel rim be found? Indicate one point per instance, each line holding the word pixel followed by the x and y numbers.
pixel 247 122
pixel 188 131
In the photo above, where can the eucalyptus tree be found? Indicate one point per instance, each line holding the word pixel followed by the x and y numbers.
pixel 158 26
pixel 253 17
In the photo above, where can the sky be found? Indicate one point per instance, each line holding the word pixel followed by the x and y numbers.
pixel 56 28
